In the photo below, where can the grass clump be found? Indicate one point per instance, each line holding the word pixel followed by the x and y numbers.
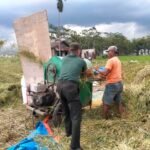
pixel 142 74
pixel 9 94
pixel 10 75
pixel 30 56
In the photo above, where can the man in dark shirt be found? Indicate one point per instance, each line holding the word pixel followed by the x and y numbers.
pixel 68 88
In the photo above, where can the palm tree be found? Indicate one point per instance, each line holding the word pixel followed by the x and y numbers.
pixel 60 7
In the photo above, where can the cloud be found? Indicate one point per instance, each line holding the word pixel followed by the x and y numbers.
pixel 107 11
pixel 132 15
pixel 6 33
pixel 20 3
pixel 82 12
pixel 76 28
pixel 18 9
pixel 130 29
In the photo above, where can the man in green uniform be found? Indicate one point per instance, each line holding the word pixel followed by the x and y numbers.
pixel 68 88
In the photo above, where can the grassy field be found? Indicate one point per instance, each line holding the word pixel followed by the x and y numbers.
pixel 131 133
pixel 135 58
pixel 10 74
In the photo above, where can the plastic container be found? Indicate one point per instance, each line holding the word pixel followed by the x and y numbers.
pixel 101 69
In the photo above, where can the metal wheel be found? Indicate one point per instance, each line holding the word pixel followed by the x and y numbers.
pixel 51 72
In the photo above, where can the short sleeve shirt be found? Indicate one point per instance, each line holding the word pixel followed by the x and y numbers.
pixel 72 67
pixel 114 65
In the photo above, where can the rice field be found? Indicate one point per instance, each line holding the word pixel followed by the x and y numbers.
pixel 130 133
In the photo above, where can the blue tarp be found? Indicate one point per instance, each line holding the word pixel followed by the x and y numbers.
pixel 28 143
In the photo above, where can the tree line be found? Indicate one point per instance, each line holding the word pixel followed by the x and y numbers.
pixel 91 38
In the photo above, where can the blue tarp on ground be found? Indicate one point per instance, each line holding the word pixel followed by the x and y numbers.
pixel 28 143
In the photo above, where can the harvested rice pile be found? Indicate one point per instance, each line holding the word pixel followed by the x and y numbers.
pixel 10 74
pixel 12 125
pixel 142 74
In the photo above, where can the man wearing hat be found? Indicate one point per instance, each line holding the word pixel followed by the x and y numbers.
pixel 114 86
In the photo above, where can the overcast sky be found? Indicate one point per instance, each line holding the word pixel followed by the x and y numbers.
pixel 129 17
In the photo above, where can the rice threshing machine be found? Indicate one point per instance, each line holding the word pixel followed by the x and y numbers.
pixel 32 34
pixel 44 96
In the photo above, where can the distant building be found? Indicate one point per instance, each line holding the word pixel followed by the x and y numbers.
pixel 105 53
pixel 88 53
pixel 144 52
pixel 59 47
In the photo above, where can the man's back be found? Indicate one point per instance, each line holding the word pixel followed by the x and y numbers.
pixel 72 66
pixel 115 75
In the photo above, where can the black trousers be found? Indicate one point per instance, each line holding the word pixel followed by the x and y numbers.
pixel 69 94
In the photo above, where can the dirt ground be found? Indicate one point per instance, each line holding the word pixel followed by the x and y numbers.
pixel 96 132
pixel 15 124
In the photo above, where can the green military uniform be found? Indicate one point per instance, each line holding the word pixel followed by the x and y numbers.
pixel 72 66
pixel 68 89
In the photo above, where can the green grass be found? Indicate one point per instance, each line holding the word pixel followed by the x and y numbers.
pixel 135 58
pixel 131 59
pixel 10 75
pixel 10 70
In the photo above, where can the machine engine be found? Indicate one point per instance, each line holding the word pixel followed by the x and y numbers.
pixel 42 95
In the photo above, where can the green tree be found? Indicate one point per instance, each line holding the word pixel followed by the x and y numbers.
pixel 120 41
pixel 91 38
pixel 60 7
pixel 2 42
